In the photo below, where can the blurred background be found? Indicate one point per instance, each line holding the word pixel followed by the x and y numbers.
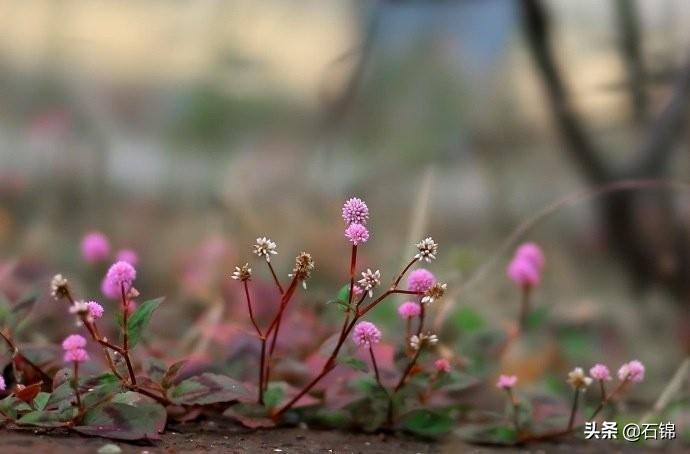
pixel 184 130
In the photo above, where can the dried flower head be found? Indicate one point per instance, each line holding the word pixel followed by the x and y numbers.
pixel 58 287
pixel 355 211
pixel 506 381
pixel 95 310
pixel 577 378
pixel 129 256
pixel 409 309
pixel 434 293
pixel 632 371
pixel 120 274
pixel 76 355
pixel 95 247
pixel 370 279
pixel 264 247
pixel 79 307
pixel 422 340
pixel 366 334
pixel 243 273
pixel 524 272
pixel 600 372
pixel 442 365
pixel 420 280
pixel 427 250
pixel 356 234
pixel 73 341
pixel 304 265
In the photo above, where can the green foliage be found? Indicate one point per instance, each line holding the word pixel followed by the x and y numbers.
pixel 353 363
pixel 488 434
pixel 428 423
pixel 207 389
pixel 140 419
pixel 16 316
pixel 274 394
pixel 252 416
pixel 140 319
pixel 40 418
pixel 171 374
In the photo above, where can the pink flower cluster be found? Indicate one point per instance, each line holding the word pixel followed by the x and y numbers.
pixel 600 372
pixel 119 274
pixel 366 334
pixel 526 266
pixel 356 234
pixel 95 310
pixel 506 381
pixel 409 309
pixel 420 280
pixel 95 247
pixel 356 216
pixel 632 371
pixel 442 365
pixel 73 345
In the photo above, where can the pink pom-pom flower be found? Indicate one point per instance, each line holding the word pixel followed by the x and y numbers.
pixel 95 310
pixel 129 256
pixel 524 272
pixel 95 247
pixel 3 386
pixel 442 365
pixel 409 309
pixel 632 371
pixel 600 372
pixel 73 341
pixel 119 274
pixel 420 280
pixel 356 234
pixel 533 253
pixel 355 211
pixel 506 381
pixel 366 334
pixel 76 355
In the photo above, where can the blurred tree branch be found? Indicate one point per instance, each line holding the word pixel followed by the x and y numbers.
pixel 631 51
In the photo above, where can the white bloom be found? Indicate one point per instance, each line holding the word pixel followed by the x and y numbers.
pixel 79 307
pixel 264 247
pixel 243 273
pixel 427 250
pixel 435 292
pixel 578 379
pixel 370 279
pixel 417 342
pixel 58 285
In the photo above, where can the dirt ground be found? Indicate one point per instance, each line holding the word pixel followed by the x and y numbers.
pixel 209 437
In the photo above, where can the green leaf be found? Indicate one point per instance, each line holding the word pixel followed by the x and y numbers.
pixel 171 374
pixel 155 369
pixel 252 416
pixel 353 363
pixel 41 400
pixel 342 298
pixel 428 423
pixel 47 418
pixel 488 434
pixel 7 406
pixel 101 393
pixel 143 421
pixel 207 389
pixel 274 395
pixel 139 319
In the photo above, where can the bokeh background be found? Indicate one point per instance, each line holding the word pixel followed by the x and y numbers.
pixel 184 130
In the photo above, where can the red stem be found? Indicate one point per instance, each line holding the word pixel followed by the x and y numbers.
pixel 125 334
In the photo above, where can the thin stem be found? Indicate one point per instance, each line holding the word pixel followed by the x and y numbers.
pixel 160 399
pixel 353 266
pixel 421 319
pixel 249 307
pixel 516 409
pixel 408 330
pixel 602 389
pixel 615 391
pixel 125 334
pixel 75 386
pixel 376 367
pixel 275 324
pixel 524 307
pixel 401 383
pixel 397 280
pixel 573 411
pixel 275 277
pixel 15 352
pixel 263 379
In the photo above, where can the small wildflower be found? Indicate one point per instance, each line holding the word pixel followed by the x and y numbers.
pixel 79 307
pixel 120 274
pixel 3 386
pixel 434 293
pixel 129 256
pixel 355 211
pixel 427 250
pixel 304 265
pixel 632 371
pixel 76 355
pixel 95 310
pixel 58 286
pixel 420 280
pixel 531 252
pixel 264 247
pixel 357 290
pixel 73 341
pixel 366 334
pixel 419 341
pixel 243 273
pixel 600 372
pixel 577 378
pixel 442 365
pixel 506 381
pixel 356 234
pixel 95 247
pixel 409 309
pixel 370 279
pixel 523 272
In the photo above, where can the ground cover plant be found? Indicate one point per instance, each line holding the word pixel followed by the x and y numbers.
pixel 359 376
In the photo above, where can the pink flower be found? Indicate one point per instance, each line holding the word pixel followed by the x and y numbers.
pixel 409 309
pixel 95 247
pixel 600 372
pixel 533 253
pixel 442 365
pixel 633 371
pixel 355 211
pixel 420 280
pixel 506 381
pixel 120 274
pixel 366 333
pixel 95 310
pixel 73 341
pixel 108 290
pixel 3 386
pixel 129 256
pixel 356 233
pixel 76 355
pixel 357 290
pixel 523 272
